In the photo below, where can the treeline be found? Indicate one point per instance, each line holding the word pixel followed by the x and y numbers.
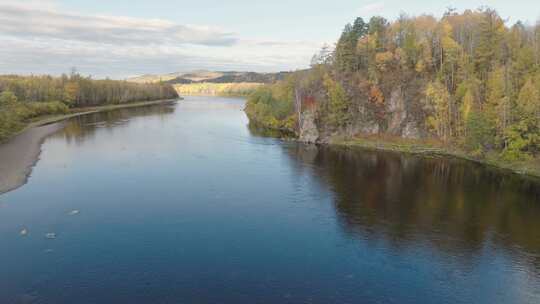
pixel 23 98
pixel 467 79
pixel 78 91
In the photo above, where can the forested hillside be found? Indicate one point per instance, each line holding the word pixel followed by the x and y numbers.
pixel 204 82
pixel 468 80
pixel 229 77
pixel 24 98
pixel 203 76
pixel 223 83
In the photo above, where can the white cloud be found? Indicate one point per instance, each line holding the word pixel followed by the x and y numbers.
pixel 27 21
pixel 372 8
pixel 37 37
pixel 43 4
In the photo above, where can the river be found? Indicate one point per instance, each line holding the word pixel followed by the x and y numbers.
pixel 186 203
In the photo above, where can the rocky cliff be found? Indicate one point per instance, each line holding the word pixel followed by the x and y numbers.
pixel 400 119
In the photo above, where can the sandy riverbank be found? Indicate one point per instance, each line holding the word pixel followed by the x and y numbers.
pixel 20 154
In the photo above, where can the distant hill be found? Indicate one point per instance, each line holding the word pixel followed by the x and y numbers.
pixel 247 77
pixel 203 76
pixel 196 76
pixel 149 78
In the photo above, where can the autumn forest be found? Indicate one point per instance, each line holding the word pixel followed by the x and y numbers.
pixel 23 98
pixel 468 79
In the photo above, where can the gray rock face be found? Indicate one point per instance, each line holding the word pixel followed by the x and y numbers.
pixel 369 128
pixel 363 124
pixel 399 122
pixel 411 131
pixel 308 132
pixel 397 112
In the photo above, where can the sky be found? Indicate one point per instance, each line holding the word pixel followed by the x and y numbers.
pixel 124 38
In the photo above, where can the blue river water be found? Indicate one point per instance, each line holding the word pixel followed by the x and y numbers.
pixel 188 203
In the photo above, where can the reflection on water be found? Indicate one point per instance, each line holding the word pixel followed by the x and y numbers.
pixel 81 128
pixel 259 130
pixel 457 206
pixel 189 204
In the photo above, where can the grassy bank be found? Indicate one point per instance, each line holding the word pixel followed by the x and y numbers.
pixel 20 123
pixel 434 148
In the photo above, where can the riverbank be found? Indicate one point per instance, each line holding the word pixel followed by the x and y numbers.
pixel 41 121
pixel 20 152
pixel 434 148
pixel 263 115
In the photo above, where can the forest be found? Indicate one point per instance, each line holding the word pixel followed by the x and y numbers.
pixel 468 79
pixel 23 98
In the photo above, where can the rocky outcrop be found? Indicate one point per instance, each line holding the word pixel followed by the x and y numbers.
pixel 396 111
pixel 400 122
pixel 308 131
pixel 363 123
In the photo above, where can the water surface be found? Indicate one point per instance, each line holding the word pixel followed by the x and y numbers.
pixel 188 204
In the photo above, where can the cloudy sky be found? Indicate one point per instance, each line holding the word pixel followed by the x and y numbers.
pixel 122 38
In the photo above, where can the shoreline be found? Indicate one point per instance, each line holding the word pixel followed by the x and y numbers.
pixel 20 153
pixel 523 168
pixel 528 168
pixel 41 121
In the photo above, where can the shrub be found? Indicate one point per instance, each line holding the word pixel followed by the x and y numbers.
pixel 479 132
pixel 7 98
pixel 14 116
pixel 264 108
